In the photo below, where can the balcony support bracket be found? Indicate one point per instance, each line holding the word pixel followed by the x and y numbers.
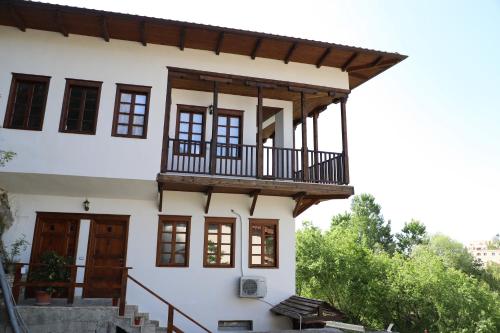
pixel 160 199
pixel 209 192
pixel 255 196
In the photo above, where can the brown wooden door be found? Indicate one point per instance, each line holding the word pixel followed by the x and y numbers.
pixel 58 233
pixel 107 249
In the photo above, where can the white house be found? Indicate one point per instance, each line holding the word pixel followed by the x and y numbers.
pixel 169 148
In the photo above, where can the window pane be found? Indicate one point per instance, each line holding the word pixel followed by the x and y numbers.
pixel 211 259
pixel 123 119
pixel 196 128
pixel 226 228
pixel 167 227
pixel 256 249
pixel 138 120
pixel 181 227
pixel 126 98
pixel 225 249
pixel 222 120
pixel 139 109
pixel 234 131
pixel 235 121
pixel 234 141
pixel 197 118
pixel 21 103
pixel 225 259
pixel 212 239
pixel 221 130
pixel 166 247
pixel 137 130
pixel 268 260
pixel 225 239
pixel 140 99
pixel 213 228
pixel 180 238
pixel 180 248
pixel 179 259
pixel 166 237
pixel 221 139
pixel 256 260
pixel 122 129
pixel 125 108
pixel 184 127
pixel 183 136
pixel 165 259
pixel 184 116
pixel 196 137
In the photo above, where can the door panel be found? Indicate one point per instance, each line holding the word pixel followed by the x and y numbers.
pixel 58 233
pixel 107 248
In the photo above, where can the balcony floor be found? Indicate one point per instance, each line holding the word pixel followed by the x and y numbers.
pixel 190 183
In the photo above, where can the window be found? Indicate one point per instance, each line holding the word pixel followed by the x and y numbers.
pixel 173 241
pixel 219 242
pixel 229 128
pixel 235 325
pixel 131 111
pixel 263 243
pixel 190 131
pixel 80 107
pixel 26 104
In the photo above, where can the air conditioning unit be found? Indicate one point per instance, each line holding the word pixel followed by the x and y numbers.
pixel 253 286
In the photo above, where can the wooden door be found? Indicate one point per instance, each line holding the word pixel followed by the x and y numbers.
pixel 57 233
pixel 107 251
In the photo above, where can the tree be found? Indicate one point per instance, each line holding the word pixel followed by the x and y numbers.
pixel 413 233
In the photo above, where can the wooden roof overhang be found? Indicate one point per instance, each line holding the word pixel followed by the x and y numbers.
pixel 361 64
pixel 317 98
pixel 307 310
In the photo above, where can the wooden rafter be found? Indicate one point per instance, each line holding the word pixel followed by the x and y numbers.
pixel 255 196
pixel 256 48
pixel 144 41
pixel 160 200
pixel 104 28
pixel 359 76
pixel 182 38
pixel 374 63
pixel 305 204
pixel 377 66
pixel 299 197
pixel 220 41
pixel 323 57
pixel 18 20
pixel 60 24
pixel 209 192
pixel 349 61
pixel 290 52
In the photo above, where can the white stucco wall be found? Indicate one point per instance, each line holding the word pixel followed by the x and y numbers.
pixel 89 58
pixel 207 294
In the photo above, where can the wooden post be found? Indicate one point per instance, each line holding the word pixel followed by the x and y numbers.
pixel 170 319
pixel 305 162
pixel 166 127
pixel 345 152
pixel 71 290
pixel 17 279
pixel 316 145
pixel 213 142
pixel 123 291
pixel 260 147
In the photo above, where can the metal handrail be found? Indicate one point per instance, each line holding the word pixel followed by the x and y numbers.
pixel 16 321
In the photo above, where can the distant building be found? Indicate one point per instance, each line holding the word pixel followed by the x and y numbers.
pixel 479 249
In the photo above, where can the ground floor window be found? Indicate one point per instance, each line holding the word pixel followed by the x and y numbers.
pixel 235 325
pixel 219 242
pixel 173 241
pixel 263 243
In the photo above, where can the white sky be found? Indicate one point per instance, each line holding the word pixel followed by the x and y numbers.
pixel 424 137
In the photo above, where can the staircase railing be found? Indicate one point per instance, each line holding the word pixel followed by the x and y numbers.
pixel 16 321
pixel 171 328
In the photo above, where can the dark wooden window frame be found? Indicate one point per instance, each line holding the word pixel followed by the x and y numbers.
pixel 131 89
pixel 174 219
pixel 231 113
pixel 64 112
pixel 219 221
pixel 16 79
pixel 263 223
pixel 191 109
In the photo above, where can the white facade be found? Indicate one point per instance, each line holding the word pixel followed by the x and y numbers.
pixel 55 172
pixel 480 250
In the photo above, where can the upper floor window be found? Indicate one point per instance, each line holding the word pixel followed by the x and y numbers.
pixel 131 111
pixel 219 242
pixel 190 130
pixel 173 241
pixel 80 106
pixel 229 133
pixel 263 244
pixel 26 104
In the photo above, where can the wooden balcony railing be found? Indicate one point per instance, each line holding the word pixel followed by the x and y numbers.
pixel 239 160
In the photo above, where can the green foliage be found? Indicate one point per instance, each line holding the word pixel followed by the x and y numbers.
pixel 10 255
pixel 494 244
pixel 6 156
pixel 53 268
pixel 413 233
pixel 429 284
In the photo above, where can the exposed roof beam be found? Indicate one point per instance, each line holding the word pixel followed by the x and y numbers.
pixel 380 65
pixel 256 48
pixel 60 24
pixel 210 190
pixel 143 33
pixel 358 76
pixel 366 66
pixel 323 57
pixel 182 37
pixel 220 40
pixel 104 28
pixel 349 61
pixel 18 20
pixel 290 52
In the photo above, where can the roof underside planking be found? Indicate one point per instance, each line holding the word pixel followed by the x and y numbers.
pixel 361 64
